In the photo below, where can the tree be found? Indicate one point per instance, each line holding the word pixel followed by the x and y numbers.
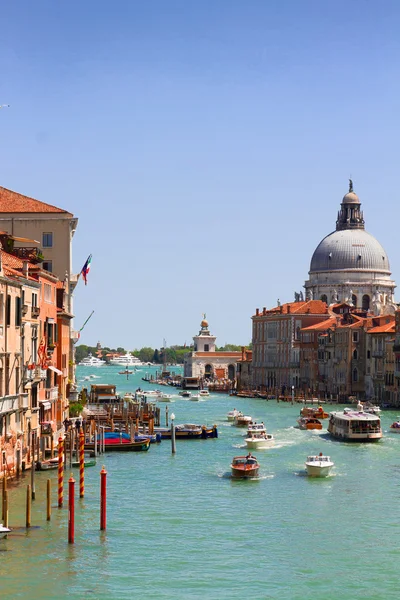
pixel 146 354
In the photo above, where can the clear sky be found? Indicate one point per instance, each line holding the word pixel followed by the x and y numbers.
pixel 205 147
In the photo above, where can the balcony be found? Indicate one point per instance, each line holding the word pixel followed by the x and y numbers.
pixel 51 394
pixel 378 353
pixel 8 404
pixel 35 311
pixel 24 309
pixel 46 428
pixel 33 255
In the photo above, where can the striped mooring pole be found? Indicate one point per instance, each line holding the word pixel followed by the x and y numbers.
pixel 60 471
pixel 81 464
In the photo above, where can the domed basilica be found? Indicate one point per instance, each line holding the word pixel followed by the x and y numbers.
pixel 350 265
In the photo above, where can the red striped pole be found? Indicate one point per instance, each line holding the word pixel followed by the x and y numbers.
pixel 71 510
pixel 60 471
pixel 81 464
pixel 103 498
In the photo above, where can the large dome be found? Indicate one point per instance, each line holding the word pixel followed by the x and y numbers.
pixel 350 250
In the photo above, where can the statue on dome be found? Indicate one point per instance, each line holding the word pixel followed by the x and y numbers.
pixel 350 186
pixel 301 297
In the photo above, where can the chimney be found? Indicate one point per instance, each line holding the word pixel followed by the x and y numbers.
pixel 264 310
pixel 243 353
pixel 25 268
pixel 257 312
pixel 288 308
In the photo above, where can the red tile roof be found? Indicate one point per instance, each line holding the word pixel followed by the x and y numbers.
pixel 313 307
pixel 321 326
pixel 387 328
pixel 13 202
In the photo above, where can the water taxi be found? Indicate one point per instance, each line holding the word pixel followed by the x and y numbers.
pixel 242 420
pixel 204 393
pixel 318 466
pixel 309 423
pixel 358 426
pixel 256 428
pixel 317 413
pixel 243 467
pixel 232 414
pixel 259 441
pixel 185 394
pixel 165 398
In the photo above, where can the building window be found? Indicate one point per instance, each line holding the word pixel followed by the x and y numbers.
pixel 324 298
pixel 47 292
pixel 368 353
pixel 8 310
pixel 354 300
pixel 34 300
pixel 355 354
pixel 206 348
pixel 17 311
pixel 47 241
pixel 365 302
pixel 355 336
pixel 47 265
pixel 355 375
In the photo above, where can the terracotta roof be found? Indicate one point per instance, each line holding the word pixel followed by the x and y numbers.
pixel 387 328
pixel 321 326
pixel 314 307
pixel 13 202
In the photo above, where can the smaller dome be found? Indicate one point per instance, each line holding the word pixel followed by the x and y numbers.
pixel 351 198
pixel 204 324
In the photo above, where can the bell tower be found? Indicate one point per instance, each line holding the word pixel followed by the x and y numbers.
pixel 204 342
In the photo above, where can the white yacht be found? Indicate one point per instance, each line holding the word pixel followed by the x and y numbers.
pixel 91 361
pixel 318 466
pixel 125 360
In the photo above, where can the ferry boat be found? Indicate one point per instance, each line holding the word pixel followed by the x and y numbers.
pixel 358 426
pixel 260 440
pixel 125 360
pixel 91 361
pixel 318 466
pixel 243 467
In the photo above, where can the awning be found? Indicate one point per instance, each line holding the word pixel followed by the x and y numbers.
pixel 46 405
pixel 55 370
pixel 22 239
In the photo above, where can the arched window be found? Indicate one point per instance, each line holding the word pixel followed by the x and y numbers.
pixel 208 370
pixel 324 298
pixel 365 302
pixel 354 300
pixel 231 372
pixel 355 375
pixel 355 354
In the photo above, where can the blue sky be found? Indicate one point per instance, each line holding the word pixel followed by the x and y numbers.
pixel 204 146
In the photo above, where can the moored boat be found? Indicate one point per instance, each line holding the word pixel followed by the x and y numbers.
pixel 46 465
pixel 244 467
pixel 3 530
pixel 258 441
pixel 309 423
pixel 358 426
pixel 318 466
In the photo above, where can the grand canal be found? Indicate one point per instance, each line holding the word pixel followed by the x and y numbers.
pixel 179 527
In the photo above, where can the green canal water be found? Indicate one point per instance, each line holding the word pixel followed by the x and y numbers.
pixel 179 527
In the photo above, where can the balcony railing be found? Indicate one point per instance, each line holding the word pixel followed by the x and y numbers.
pixel 8 404
pixel 378 353
pixel 33 255
pixel 51 393
pixel 35 311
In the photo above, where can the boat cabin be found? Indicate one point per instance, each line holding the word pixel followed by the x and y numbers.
pixel 103 394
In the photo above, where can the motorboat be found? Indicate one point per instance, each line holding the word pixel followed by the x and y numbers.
pixel 148 393
pixel 259 440
pixel 195 397
pixel 232 414
pixel 244 467
pixel 165 398
pixel 118 440
pixel 125 360
pixel 125 372
pixel 316 413
pixel 185 394
pixel 46 465
pixel 353 425
pixel 91 361
pixel 256 428
pixel 309 423
pixel 242 420
pixel 318 466
pixel 395 427
pixel 3 530
pixel 371 409
pixel 204 393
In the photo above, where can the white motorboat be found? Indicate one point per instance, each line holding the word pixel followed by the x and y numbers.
pixel 91 361
pixel 148 394
pixel 371 409
pixel 3 531
pixel 125 360
pixel 259 440
pixel 185 394
pixel 194 397
pixel 165 398
pixel 232 414
pixel 204 393
pixel 395 427
pixel 242 420
pixel 319 466
pixel 256 428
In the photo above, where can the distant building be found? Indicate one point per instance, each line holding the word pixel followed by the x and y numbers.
pixel 243 370
pixel 205 362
